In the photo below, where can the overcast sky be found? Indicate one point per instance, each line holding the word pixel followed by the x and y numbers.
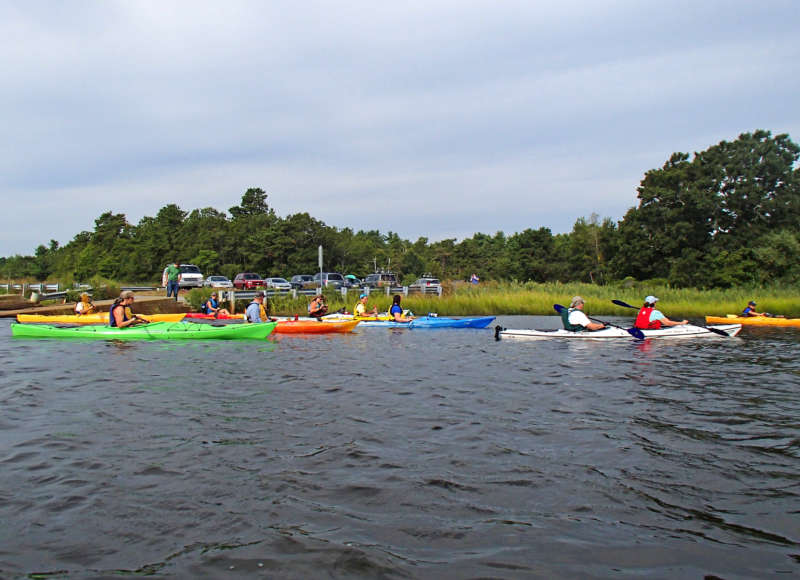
pixel 433 118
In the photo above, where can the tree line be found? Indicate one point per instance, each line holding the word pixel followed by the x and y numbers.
pixel 723 217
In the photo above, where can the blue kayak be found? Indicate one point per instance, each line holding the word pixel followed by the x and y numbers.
pixel 431 322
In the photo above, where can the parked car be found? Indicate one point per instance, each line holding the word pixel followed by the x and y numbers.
pixel 279 284
pixel 300 281
pixel 329 279
pixel 427 284
pixel 191 276
pixel 380 280
pixel 247 281
pixel 217 282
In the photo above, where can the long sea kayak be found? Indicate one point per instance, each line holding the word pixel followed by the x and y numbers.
pixel 153 331
pixel 432 322
pixel 682 331
pixel 753 320
pixel 94 318
pixel 314 326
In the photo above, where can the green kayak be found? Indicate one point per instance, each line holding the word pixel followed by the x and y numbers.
pixel 152 331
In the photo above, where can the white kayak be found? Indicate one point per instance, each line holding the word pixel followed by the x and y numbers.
pixel 682 331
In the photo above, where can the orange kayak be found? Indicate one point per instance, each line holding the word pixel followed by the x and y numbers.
pixel 314 326
pixel 753 320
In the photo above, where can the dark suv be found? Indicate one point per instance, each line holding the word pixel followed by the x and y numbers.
pixel 329 279
pixel 300 281
pixel 248 281
pixel 380 280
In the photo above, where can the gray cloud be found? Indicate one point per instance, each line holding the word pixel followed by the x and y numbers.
pixel 439 119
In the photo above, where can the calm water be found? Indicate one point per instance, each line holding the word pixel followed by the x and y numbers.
pixel 401 453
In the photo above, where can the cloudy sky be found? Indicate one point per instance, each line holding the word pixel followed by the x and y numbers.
pixel 431 118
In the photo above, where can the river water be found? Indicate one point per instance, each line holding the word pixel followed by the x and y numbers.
pixel 396 453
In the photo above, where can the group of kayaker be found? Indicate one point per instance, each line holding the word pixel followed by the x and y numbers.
pixel 648 317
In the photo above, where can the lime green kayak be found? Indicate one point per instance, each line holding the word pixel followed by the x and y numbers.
pixel 152 331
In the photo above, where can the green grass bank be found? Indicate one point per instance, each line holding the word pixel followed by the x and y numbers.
pixel 538 299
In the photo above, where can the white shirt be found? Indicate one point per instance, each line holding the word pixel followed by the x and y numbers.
pixel 579 318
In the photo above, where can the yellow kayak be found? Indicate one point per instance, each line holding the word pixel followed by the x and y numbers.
pixel 95 318
pixel 753 320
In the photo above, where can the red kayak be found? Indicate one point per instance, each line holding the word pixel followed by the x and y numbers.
pixel 212 317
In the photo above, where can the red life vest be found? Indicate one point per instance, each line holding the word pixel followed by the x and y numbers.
pixel 643 319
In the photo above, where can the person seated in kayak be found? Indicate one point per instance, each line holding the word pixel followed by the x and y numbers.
pixel 575 320
pixel 360 309
pixel 255 308
pixel 750 310
pixel 651 319
pixel 85 305
pixel 211 306
pixel 396 311
pixel 264 310
pixel 317 307
pixel 120 315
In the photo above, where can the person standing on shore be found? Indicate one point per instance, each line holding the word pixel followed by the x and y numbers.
pixel 173 278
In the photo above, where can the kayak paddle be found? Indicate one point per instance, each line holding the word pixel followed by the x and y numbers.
pixel 634 332
pixel 714 330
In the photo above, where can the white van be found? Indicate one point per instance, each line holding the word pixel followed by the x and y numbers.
pixel 191 277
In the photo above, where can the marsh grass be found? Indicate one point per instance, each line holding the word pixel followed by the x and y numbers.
pixel 538 299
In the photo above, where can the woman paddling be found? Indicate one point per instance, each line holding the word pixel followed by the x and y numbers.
pixel 650 319
pixel 120 315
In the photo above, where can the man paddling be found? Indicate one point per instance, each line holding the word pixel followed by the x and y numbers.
pixel 575 320
pixel 254 309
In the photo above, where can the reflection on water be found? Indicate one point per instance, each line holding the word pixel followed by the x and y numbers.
pixel 401 453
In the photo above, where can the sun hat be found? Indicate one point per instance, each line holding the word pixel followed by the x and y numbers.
pixel 362 296
pixel 651 299
pixel 751 303
pixel 575 301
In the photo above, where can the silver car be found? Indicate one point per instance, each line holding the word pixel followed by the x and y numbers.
pixel 218 282
pixel 279 284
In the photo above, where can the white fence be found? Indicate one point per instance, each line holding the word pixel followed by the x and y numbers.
pixel 294 293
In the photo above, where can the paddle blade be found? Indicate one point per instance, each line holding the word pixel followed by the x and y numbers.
pixel 635 333
pixel 558 308
pixel 717 331
pixel 624 304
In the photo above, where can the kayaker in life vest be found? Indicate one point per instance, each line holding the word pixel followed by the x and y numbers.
pixel 750 310
pixel 575 320
pixel 211 306
pixel 650 319
pixel 120 315
pixel 85 305
pixel 254 309
pixel 396 311
pixel 317 307
pixel 360 309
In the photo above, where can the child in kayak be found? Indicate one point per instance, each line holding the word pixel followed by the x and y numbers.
pixel 85 305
